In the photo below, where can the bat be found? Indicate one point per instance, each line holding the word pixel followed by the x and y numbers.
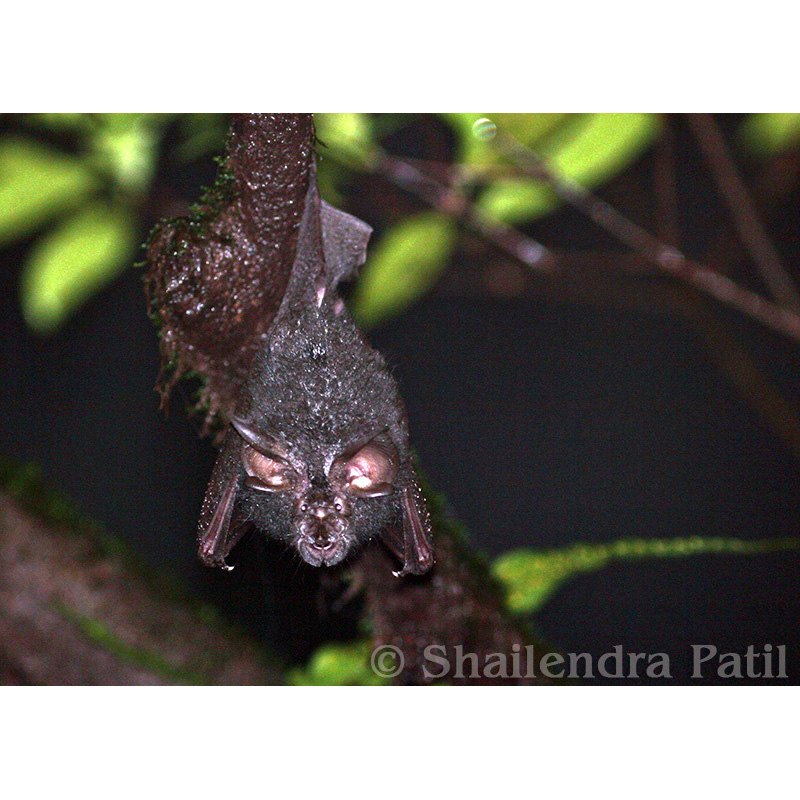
pixel 316 454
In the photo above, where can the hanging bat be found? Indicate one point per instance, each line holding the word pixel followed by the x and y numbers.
pixel 316 454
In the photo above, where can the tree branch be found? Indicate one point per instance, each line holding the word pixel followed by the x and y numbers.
pixel 75 613
pixel 445 198
pixel 669 259
pixel 743 210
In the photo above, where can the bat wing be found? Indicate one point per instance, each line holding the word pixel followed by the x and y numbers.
pixel 331 246
pixel 344 242
pixel 414 546
pixel 218 530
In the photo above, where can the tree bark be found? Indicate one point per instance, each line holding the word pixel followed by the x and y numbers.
pixel 74 613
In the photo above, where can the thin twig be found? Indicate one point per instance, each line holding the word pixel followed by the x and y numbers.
pixel 669 259
pixel 743 210
pixel 743 371
pixel 446 199
pixel 584 277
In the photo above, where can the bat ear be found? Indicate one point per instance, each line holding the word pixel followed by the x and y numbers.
pixel 415 547
pixel 263 443
pixel 344 244
pixel 368 470
pixel 218 531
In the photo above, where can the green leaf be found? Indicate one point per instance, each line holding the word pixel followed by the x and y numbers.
pixel 768 134
pixel 201 134
pixel 530 577
pixel 348 137
pixel 338 665
pixel 347 143
pixel 74 261
pixel 596 151
pixel 406 262
pixel 125 147
pixel 36 184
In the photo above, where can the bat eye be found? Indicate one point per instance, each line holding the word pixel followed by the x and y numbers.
pixel 303 508
pixel 338 506
pixel 266 474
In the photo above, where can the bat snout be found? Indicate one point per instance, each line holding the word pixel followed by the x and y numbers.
pixel 322 539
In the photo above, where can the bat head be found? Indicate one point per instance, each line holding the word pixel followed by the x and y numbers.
pixel 322 501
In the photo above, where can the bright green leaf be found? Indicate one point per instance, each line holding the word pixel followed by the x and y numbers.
pixel 595 152
pixel 122 145
pixel 125 147
pixel 338 665
pixel 768 134
pixel 347 143
pixel 74 261
pixel 517 200
pixel 37 183
pixel 406 262
pixel 348 137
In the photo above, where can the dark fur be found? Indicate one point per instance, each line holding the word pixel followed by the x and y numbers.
pixel 316 394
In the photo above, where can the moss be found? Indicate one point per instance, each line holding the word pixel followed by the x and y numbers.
pixel 25 484
pixel 98 632
pixel 531 577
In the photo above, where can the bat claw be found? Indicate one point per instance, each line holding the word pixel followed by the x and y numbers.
pixel 215 561
pixel 401 573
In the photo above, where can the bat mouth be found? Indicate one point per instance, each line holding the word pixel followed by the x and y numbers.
pixel 322 538
pixel 320 553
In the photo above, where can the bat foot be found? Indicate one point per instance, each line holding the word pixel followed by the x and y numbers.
pixel 401 573
pixel 215 561
pixel 422 568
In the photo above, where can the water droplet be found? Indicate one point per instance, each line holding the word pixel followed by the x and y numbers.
pixel 484 129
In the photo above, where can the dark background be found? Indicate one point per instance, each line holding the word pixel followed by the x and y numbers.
pixel 545 421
